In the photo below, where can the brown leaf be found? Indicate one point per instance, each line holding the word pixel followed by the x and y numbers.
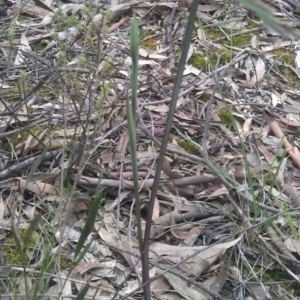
pixel 289 122
pixel 96 266
pixel 181 234
pixel 260 72
pixel 293 151
pixel 38 187
pixel 168 171
pixel 184 289
pixel 33 140
pixel 258 291
pixel 292 244
pixel 199 262
pixel 159 286
pixel 156 209
pixel 41 4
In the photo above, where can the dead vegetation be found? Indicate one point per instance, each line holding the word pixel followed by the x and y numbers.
pixel 225 219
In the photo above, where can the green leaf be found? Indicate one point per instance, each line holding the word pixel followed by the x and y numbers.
pixel 131 121
pixel 82 293
pixel 31 228
pixel 134 52
pixel 265 14
pixel 88 226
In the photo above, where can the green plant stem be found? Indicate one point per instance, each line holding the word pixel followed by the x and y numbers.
pixel 175 93
pixel 131 120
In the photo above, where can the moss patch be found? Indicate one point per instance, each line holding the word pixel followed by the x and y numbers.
pixel 253 24
pixel 198 61
pixel 148 40
pixel 64 261
pixel 235 41
pixel 16 139
pixel 284 55
pixel 15 93
pixel 20 138
pixel 188 146
pixel 239 40
pixel 201 61
pixel 292 80
pixel 204 97
pixel 212 33
pixel 37 47
pixel 108 66
pixel 287 58
pixel 12 253
pixel 278 276
pixel 225 116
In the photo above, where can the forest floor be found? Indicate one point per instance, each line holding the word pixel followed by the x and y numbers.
pixel 65 77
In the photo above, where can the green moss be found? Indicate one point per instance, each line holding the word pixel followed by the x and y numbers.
pixel 39 46
pixel 68 185
pixel 62 21
pixel 16 139
pixel 252 24
pixel 12 255
pixel 204 97
pixel 225 115
pixel 10 250
pixel 239 40
pixel 292 80
pixel 108 66
pixel 201 61
pixel 65 262
pixel 235 41
pixel 188 146
pixel 277 275
pixel 225 56
pixel 285 56
pixel 198 61
pixel 212 33
pixel 21 137
pixel 13 94
pixel 148 40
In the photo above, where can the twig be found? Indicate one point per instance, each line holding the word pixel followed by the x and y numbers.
pixel 168 42
pixel 26 163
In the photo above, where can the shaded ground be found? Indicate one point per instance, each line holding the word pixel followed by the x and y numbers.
pixel 65 76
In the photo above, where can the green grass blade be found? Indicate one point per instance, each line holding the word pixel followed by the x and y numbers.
pixel 36 164
pixel 88 226
pixel 177 85
pixel 31 228
pixel 134 52
pixel 131 120
pixel 82 293
pixel 266 15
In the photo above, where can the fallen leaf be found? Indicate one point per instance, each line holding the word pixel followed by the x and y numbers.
pixel 293 245
pixel 42 5
pixel 186 290
pixel 24 46
pixel 259 72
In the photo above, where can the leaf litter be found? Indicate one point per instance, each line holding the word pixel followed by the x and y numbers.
pixel 65 77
